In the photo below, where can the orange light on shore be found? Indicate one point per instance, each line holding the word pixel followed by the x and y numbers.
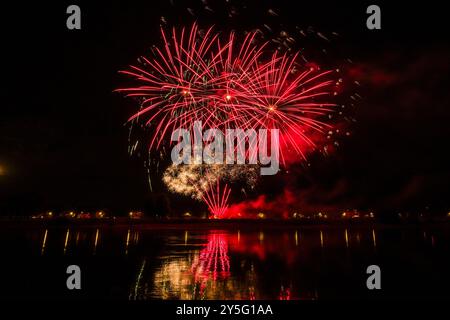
pixel 100 215
pixel 135 214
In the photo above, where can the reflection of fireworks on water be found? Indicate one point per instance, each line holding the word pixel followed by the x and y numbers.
pixel 204 274
pixel 170 280
pixel 213 260
pixel 228 266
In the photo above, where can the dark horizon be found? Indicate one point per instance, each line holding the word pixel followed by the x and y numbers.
pixel 63 143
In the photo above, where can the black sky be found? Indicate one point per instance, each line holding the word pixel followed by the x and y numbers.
pixel 63 142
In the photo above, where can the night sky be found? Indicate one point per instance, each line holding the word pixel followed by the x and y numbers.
pixel 63 143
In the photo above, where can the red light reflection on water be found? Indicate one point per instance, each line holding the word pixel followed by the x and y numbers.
pixel 261 245
pixel 213 260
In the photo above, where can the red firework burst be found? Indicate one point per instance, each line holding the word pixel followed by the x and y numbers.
pixel 225 85
pixel 188 80
pixel 217 200
pixel 285 97
pixel 228 84
pixel 173 82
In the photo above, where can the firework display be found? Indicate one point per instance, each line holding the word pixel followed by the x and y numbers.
pixel 194 180
pixel 227 82
pixel 239 153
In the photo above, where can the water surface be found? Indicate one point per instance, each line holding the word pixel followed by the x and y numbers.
pixel 141 263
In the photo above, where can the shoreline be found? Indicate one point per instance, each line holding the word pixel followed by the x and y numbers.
pixel 215 224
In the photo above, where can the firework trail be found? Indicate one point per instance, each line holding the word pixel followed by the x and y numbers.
pixel 217 200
